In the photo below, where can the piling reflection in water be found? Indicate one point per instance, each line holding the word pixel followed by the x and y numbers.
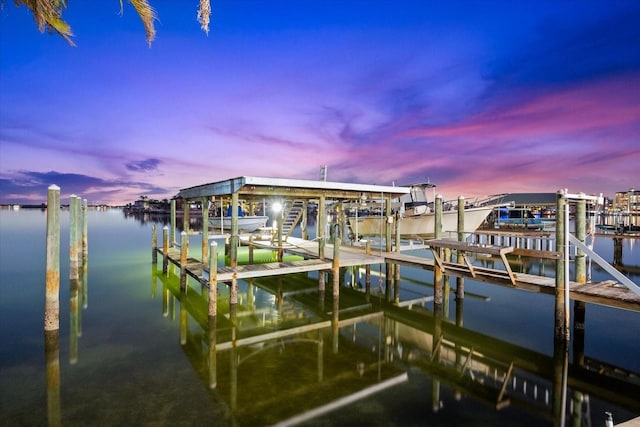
pixel 270 365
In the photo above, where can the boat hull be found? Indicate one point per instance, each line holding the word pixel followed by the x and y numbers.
pixel 423 226
pixel 247 224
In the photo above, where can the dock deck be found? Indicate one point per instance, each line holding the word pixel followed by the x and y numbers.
pixel 608 293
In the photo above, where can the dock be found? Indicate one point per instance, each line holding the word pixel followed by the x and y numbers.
pixel 327 254
pixel 608 293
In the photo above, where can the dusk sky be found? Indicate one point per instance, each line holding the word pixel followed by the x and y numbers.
pixel 479 97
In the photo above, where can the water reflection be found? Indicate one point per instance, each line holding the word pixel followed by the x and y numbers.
pixel 280 357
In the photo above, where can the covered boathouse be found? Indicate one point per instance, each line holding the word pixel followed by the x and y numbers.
pixel 288 192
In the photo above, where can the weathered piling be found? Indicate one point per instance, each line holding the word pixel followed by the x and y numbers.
pixel 172 237
pixel 396 267
pixel 235 238
pixel 580 233
pixel 213 279
pixel 154 244
pixel 52 280
pixel 165 249
pixel 73 237
pixel 184 250
pixel 561 324
pixel 335 266
pixel 85 228
pixel 205 229
pixel 279 237
pixel 437 272
pixel 461 238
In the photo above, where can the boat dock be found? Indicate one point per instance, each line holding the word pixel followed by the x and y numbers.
pixel 328 254
pixel 609 293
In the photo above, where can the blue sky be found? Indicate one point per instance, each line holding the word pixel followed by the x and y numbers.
pixel 480 97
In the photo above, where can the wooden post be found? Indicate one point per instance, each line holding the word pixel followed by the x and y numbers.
pixel 184 250
pixel 205 229
pixel 165 249
pixel 561 328
pixel 387 214
pixel 52 280
pixel 581 233
pixel 173 223
pixel 233 244
pixel 73 237
pixel 251 248
pixel 279 235
pixel 460 258
pixel 213 279
pixel 396 267
pixel 437 272
pixel 303 221
pixel 185 215
pixel 336 260
pixel 85 228
pixel 154 244
pixel 321 223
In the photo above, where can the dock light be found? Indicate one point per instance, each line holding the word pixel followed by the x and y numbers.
pixel 276 207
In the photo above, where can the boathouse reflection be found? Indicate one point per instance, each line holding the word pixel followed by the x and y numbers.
pixel 272 365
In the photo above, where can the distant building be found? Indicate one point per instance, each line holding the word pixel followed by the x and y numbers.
pixel 627 201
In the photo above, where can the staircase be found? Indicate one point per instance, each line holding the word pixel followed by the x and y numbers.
pixel 291 217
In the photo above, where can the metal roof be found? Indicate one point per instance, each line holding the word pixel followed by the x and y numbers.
pixel 529 199
pixel 248 186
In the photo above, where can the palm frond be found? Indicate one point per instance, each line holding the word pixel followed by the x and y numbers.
pixel 148 16
pixel 204 13
pixel 48 16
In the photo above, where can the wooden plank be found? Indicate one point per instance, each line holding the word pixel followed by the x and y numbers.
pixel 469 247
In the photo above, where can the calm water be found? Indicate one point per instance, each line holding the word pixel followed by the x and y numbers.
pixel 136 351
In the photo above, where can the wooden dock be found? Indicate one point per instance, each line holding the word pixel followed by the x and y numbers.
pixel 607 293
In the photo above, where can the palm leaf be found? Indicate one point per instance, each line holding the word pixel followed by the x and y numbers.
pixel 48 16
pixel 148 16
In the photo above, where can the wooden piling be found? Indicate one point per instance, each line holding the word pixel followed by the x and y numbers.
pixel 154 244
pixel 165 249
pixel 213 279
pixel 580 232
pixel 389 218
pixel 321 222
pixel 172 237
pixel 561 325
pixel 235 238
pixel 185 215
pixel 251 249
pixel 205 229
pixel 461 238
pixel 437 272
pixel 73 237
pixel 335 266
pixel 279 236
pixel 52 280
pixel 184 250
pixel 85 228
pixel 396 267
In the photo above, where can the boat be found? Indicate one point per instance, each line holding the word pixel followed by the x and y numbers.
pixel 248 224
pixel 520 218
pixel 417 217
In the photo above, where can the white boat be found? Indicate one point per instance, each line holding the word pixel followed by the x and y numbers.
pixel 417 218
pixel 248 224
